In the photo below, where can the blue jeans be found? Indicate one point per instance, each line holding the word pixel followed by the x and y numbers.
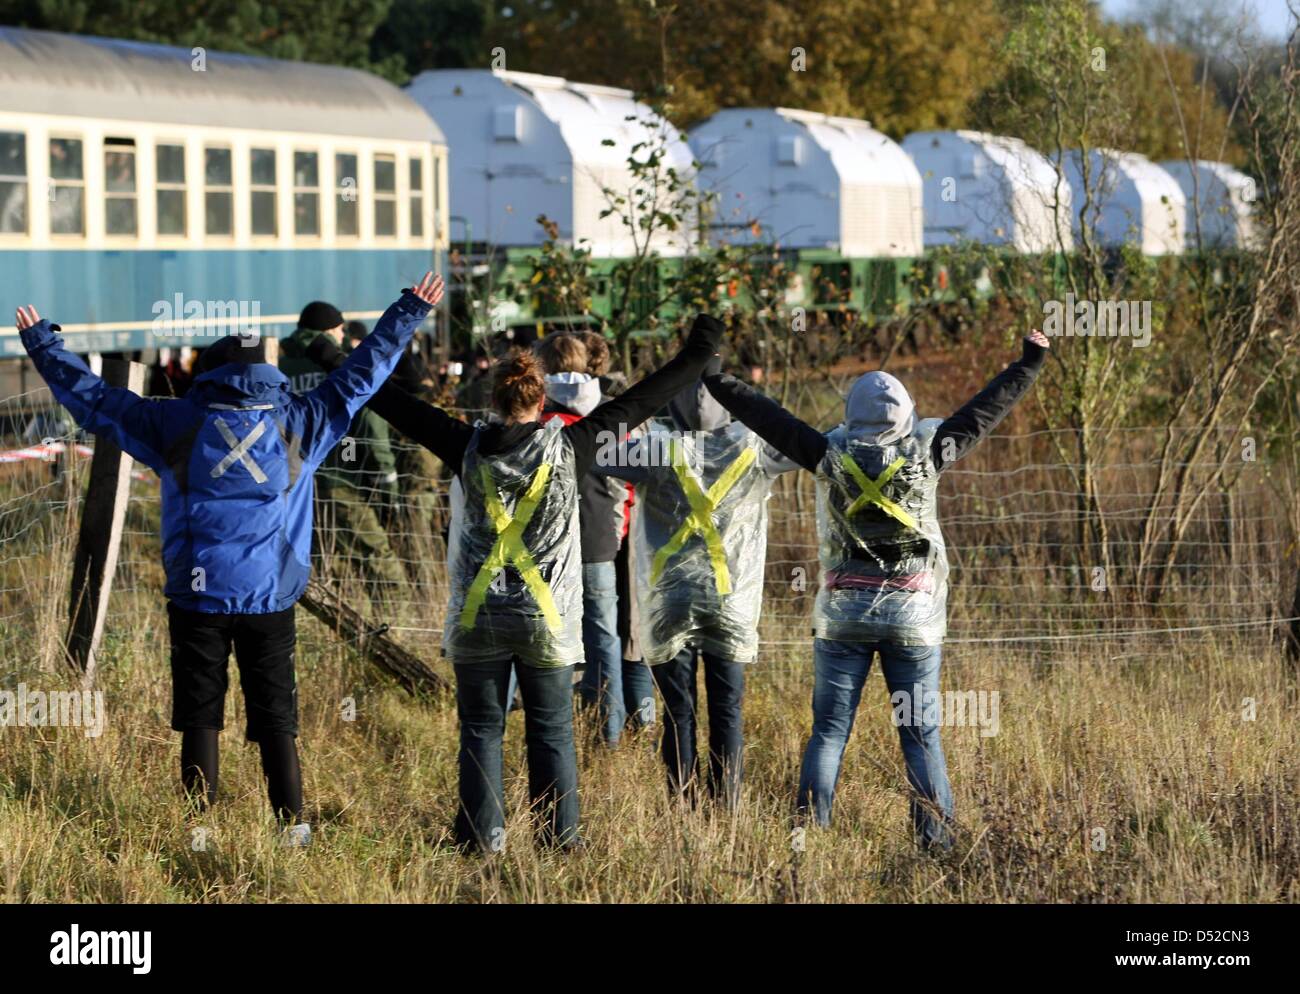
pixel 619 688
pixel 481 704
pixel 724 685
pixel 841 670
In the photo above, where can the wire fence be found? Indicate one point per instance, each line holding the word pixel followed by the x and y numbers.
pixel 1040 570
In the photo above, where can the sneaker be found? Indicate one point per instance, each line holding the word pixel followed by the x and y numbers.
pixel 296 836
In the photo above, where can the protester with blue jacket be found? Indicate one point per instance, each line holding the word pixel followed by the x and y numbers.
pixel 235 456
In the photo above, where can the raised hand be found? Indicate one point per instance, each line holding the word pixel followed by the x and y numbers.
pixel 429 289
pixel 27 317
pixel 1038 338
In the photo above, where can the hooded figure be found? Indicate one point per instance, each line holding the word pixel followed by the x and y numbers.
pixel 878 409
pixel 570 397
pixel 235 455
pixel 884 583
pixel 884 563
pixel 701 527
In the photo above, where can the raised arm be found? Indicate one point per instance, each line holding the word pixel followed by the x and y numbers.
pixel 799 442
pixel 330 407
pixel 423 423
pixel 642 400
pixel 982 413
pixel 133 423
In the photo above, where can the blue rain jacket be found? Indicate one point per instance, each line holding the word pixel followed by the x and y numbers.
pixel 235 456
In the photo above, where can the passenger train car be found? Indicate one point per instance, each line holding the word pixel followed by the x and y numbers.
pixel 156 197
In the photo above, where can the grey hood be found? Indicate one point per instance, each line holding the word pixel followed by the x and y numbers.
pixel 576 392
pixel 878 409
pixel 695 409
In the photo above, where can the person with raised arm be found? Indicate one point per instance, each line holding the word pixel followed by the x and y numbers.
pixel 515 577
pixel 235 457
pixel 700 539
pixel 884 582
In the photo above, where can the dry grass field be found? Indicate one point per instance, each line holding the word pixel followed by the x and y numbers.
pixel 1152 749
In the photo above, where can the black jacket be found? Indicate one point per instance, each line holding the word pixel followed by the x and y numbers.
pixel 601 501
pixel 448 437
pixel 953 439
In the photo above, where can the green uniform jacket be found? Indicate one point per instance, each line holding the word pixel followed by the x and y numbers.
pixel 372 468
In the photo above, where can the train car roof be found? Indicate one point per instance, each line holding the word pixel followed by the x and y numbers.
pixel 44 72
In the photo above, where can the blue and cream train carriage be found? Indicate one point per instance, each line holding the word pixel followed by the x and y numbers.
pixel 156 197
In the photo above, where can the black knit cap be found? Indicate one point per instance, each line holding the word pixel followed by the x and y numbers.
pixel 320 316
pixel 232 348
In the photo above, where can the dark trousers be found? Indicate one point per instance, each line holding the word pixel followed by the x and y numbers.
pixel 482 701
pixel 724 685
pixel 200 654
pixel 263 645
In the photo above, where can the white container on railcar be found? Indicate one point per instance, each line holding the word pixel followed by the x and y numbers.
pixel 990 190
pixel 1223 196
pixel 1129 201
pixel 809 181
pixel 524 145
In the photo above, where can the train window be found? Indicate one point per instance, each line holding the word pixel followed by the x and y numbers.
pixel 385 195
pixel 417 196
pixel 119 186
pixel 306 194
pixel 169 167
pixel 67 187
pixel 218 192
pixel 13 183
pixel 261 162
pixel 345 195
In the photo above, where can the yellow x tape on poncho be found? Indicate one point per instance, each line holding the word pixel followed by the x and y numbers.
pixel 700 520
pixel 871 493
pixel 509 549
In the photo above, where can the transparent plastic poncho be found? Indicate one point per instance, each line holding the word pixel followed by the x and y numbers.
pixel 883 560
pixel 700 534
pixel 515 565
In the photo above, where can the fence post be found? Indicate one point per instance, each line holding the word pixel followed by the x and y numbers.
pixel 1293 642
pixel 268 348
pixel 100 534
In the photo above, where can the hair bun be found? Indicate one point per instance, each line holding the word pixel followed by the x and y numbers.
pixel 518 384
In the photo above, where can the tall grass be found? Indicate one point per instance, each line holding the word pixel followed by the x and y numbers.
pixel 1195 802
pixel 1133 762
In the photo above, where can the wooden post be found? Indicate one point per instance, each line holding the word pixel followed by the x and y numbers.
pixel 268 349
pixel 407 668
pixel 100 535
pixel 1293 642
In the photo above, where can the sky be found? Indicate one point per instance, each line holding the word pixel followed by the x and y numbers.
pixel 1274 18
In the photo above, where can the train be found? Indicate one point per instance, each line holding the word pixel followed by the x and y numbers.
pixel 154 197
